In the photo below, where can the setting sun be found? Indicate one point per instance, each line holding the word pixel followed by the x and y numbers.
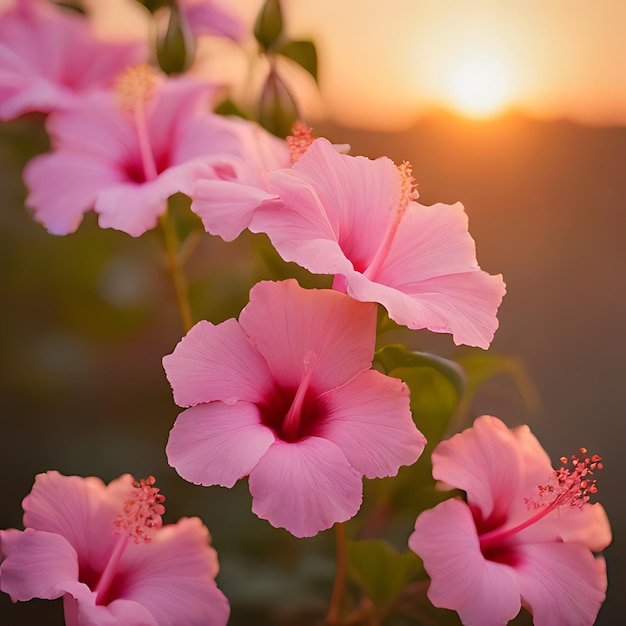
pixel 479 86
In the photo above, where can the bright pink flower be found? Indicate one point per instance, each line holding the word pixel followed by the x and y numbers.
pixel 286 395
pixel 103 549
pixel 124 152
pixel 524 537
pixel 207 17
pixel 358 219
pixel 49 57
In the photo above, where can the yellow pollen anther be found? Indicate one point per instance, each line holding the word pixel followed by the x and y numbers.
pixel 300 139
pixel 136 85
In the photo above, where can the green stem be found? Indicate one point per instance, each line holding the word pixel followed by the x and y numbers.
pixel 176 271
pixel 339 588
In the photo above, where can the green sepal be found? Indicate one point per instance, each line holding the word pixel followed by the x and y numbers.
pixel 176 49
pixel 269 24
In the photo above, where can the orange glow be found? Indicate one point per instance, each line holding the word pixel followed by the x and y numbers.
pixel 479 86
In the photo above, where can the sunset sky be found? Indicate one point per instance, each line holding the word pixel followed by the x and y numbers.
pixel 384 63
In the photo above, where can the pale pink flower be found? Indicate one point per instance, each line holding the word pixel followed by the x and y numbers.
pixel 358 219
pixel 286 395
pixel 50 57
pixel 207 17
pixel 103 549
pixel 124 152
pixel 525 536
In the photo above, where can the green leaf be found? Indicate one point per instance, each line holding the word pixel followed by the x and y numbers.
pixel 381 571
pixel 394 356
pixel 483 366
pixel 301 52
pixel 269 24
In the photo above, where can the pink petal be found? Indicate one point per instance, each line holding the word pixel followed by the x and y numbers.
pixel 80 509
pixel 370 420
pixel 482 592
pixel 217 444
pixel 562 583
pixel 66 61
pixel 174 576
pixel 434 278
pixel 35 563
pixel 135 208
pixel 484 462
pixel 216 363
pixel 290 326
pixel 329 196
pixel 305 487
pixel 588 526
pixel 57 204
pixel 80 608
pixel 226 207
pixel 205 17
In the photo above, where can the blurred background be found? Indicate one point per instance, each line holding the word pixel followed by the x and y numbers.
pixel 516 109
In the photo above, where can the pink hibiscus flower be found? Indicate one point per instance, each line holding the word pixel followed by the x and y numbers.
pixel 358 219
pixel 49 57
pixel 124 152
pixel 286 395
pixel 525 536
pixel 103 549
pixel 207 17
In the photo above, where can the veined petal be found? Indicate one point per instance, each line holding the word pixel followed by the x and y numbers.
pixel 217 444
pixel 482 592
pixel 80 509
pixel 60 206
pixel 370 420
pixel 226 207
pixel 216 363
pixel 174 576
pixel 562 583
pixel 305 487
pixel 587 525
pixel 288 324
pixel 484 462
pixel 135 208
pixel 34 563
pixel 80 609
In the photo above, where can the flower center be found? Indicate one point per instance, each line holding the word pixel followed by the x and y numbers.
pixel 295 414
pixel 408 193
pixel 571 485
pixel 135 88
pixel 140 516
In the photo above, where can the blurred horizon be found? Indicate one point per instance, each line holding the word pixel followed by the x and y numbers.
pixel 385 65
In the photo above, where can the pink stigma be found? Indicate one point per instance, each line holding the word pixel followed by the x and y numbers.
pixel 136 86
pixel 140 515
pixel 300 139
pixel 408 189
pixel 408 193
pixel 569 486
pixel 142 511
